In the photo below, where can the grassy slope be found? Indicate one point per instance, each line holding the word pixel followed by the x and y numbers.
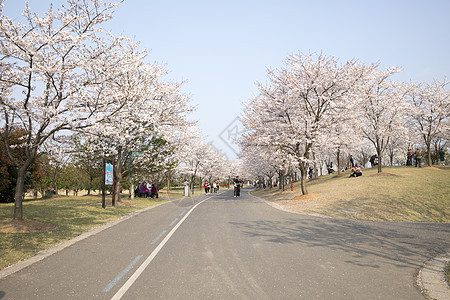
pixel 398 194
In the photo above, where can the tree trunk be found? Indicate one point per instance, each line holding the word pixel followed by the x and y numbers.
pixel 118 175
pixel 379 160
pixel 132 191
pixel 436 151
pixel 430 163
pixel 20 186
pixel 193 178
pixel 55 186
pixel 91 178
pixel 280 180
pixel 339 161
pixel 18 195
pixel 302 178
pixel 113 187
pixel 315 171
pixel 193 184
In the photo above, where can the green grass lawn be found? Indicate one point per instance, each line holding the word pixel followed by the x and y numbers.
pixel 71 215
pixel 398 194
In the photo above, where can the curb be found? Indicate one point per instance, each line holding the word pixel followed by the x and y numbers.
pixel 431 278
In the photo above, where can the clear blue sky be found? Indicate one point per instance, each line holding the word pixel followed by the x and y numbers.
pixel 221 48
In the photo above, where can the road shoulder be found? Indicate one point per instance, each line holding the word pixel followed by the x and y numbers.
pixel 431 278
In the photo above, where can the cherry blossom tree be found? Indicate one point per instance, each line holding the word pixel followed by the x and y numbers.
pixel 198 159
pixel 192 155
pixel 262 162
pixel 430 111
pixel 382 110
pixel 294 112
pixel 153 112
pixel 54 75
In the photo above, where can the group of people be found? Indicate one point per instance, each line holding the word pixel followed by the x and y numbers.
pixel 214 188
pixel 356 171
pixel 146 190
pixel 417 156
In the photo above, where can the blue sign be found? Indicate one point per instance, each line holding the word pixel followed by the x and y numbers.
pixel 108 174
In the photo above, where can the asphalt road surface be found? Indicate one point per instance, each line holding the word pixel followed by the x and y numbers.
pixel 216 246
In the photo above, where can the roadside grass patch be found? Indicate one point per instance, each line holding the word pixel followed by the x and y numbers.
pixel 173 193
pixel 398 194
pixel 57 220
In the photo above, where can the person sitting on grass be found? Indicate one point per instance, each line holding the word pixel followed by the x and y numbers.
pixel 154 192
pixel 143 190
pixel 355 172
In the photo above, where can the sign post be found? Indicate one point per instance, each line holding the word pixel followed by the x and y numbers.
pixel 103 183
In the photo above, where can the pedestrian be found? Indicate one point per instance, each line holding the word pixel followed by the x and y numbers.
pixel 149 185
pixel 186 188
pixel 237 187
pixel 206 186
pixel 143 190
pixel 442 156
pixel 418 157
pixel 149 188
pixel 409 157
pixel 154 192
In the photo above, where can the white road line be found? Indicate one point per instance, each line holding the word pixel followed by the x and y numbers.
pixel 149 259
pixel 125 271
pixel 158 237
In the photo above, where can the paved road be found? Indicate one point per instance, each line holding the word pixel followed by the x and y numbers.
pixel 221 247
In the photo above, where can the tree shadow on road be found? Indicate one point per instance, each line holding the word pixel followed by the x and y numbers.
pixel 402 244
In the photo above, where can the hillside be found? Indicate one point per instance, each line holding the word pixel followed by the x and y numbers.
pixel 398 194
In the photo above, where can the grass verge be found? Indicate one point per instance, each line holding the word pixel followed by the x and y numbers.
pixel 398 194
pixel 65 217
